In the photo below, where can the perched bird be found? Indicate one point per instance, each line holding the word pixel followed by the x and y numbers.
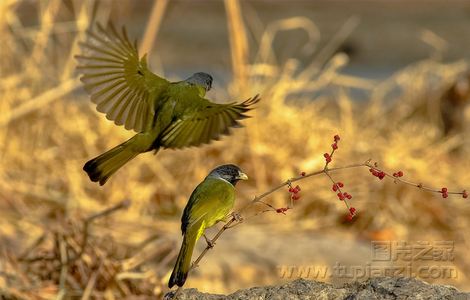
pixel 164 114
pixel 209 203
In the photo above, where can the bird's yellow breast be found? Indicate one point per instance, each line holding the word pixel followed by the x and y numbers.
pixel 210 203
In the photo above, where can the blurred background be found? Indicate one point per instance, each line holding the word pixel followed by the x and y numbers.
pixel 390 77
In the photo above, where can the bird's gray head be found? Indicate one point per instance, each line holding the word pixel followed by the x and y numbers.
pixel 231 173
pixel 201 79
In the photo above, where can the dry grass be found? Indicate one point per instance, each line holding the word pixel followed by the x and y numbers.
pixel 49 129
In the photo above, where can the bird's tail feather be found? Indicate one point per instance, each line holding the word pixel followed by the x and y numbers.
pixel 100 168
pixel 183 262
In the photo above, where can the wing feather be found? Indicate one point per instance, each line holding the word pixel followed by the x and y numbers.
pixel 206 122
pixel 198 131
pixel 119 83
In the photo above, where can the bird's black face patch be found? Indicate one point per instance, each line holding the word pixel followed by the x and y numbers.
pixel 231 173
pixel 202 79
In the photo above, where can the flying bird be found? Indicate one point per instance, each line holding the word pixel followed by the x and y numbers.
pixel 209 203
pixel 164 114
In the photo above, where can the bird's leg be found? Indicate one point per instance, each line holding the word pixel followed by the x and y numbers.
pixel 237 216
pixel 210 244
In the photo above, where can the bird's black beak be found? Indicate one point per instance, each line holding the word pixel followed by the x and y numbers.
pixel 242 176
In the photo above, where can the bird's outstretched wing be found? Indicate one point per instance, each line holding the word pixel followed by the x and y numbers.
pixel 117 80
pixel 207 121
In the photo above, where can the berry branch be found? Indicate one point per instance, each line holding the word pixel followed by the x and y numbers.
pixel 337 187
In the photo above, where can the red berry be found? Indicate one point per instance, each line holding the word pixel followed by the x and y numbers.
pixel 302 174
pixel 328 159
pixel 336 138
pixel 464 194
pixel 445 195
pixel 400 173
pixel 378 174
pixel 295 197
pixel 291 190
pixel 340 184
pixel 335 187
pixel 352 210
pixel 349 218
pixel 334 146
pixel 444 190
pixel 340 196
pixel 395 174
pixel 298 188
pixel 347 195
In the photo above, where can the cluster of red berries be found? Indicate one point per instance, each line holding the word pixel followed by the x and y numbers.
pixel 342 196
pixel 327 157
pixel 379 174
pixel 444 192
pixel 295 192
pixel 352 213
pixel 337 186
pixel 294 196
pixel 282 210
pixel 398 174
pixel 334 146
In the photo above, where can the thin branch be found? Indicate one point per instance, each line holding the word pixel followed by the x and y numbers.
pixel 234 220
pixel 338 187
pixel 237 220
pixel 414 184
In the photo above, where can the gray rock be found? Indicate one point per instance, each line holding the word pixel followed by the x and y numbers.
pixel 374 288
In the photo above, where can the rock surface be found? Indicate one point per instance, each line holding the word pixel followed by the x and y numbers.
pixel 374 288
